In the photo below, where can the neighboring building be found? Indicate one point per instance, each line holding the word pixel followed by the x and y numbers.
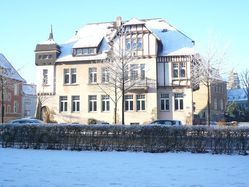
pixel 71 72
pixel 29 100
pixel 233 81
pixel 218 100
pixel 237 96
pixel 10 91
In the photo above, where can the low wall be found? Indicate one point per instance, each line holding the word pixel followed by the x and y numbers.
pixel 201 139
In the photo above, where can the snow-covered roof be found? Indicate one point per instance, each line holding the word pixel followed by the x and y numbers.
pixel 236 95
pixel 29 89
pixel 173 41
pixel 10 71
pixel 48 42
pixel 134 21
pixel 88 36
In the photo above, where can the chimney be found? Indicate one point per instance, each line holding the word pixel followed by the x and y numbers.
pixel 118 21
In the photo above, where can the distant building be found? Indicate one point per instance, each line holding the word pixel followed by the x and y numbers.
pixel 237 96
pixel 69 74
pixel 218 100
pixel 29 100
pixel 10 91
pixel 233 81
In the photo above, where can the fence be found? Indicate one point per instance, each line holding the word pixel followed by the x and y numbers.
pixel 200 139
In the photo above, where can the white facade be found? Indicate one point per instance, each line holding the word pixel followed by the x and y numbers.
pixel 161 60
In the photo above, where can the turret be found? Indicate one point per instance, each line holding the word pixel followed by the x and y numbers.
pixel 47 52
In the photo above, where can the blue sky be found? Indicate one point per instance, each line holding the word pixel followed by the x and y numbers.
pixel 24 23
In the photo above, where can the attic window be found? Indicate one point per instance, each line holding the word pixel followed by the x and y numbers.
pixel 84 51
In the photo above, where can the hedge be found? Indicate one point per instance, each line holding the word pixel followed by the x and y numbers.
pixel 197 139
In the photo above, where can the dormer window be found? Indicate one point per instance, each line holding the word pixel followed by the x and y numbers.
pixel 84 51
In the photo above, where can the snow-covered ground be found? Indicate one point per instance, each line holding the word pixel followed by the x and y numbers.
pixel 19 167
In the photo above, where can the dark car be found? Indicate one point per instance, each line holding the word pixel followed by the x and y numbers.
pixel 25 121
pixel 166 122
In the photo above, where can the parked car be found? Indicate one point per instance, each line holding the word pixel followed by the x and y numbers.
pixel 166 122
pixel 25 121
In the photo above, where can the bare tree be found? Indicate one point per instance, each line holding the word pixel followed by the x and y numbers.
pixel 120 74
pixel 244 78
pixel 207 68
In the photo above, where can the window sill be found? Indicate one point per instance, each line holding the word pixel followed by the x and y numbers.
pixel 75 84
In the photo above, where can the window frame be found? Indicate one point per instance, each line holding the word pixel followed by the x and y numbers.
pixel 105 103
pixel 140 102
pixel 92 75
pixel 179 101
pixel 164 102
pixel 45 76
pixel 92 103
pixel 129 102
pixel 63 103
pixel 75 103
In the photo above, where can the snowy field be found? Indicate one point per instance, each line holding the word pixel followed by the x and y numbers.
pixel 19 167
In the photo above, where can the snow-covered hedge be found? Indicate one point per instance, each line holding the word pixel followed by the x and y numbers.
pixel 218 140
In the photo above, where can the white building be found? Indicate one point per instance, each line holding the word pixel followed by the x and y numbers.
pixel 29 100
pixel 71 74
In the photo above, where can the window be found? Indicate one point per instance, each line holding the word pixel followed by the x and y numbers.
pixel 134 43
pixel 164 102
pixel 139 43
pixel 15 106
pixel 221 104
pixel 140 102
pixel 179 101
pixel 105 103
pixel 92 103
pixel 75 103
pixel 66 76
pixel 92 75
pixel 179 70
pixel 134 71
pixel 9 109
pixel 128 102
pixel 70 76
pixel 175 70
pixel 16 89
pixel 91 50
pixel 45 77
pixel 182 69
pixel 63 103
pixel 128 44
pixel 142 71
pixel 73 75
pixel 105 75
pixel 79 52
pixel 85 51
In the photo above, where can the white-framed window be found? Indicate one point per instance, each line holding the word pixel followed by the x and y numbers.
pixel 105 103
pixel 105 75
pixel 164 102
pixel 66 76
pixel 75 103
pixel 15 107
pixel 92 103
pixel 128 43
pixel 63 103
pixel 70 76
pixel 139 43
pixel 73 75
pixel 179 69
pixel 135 43
pixel 128 102
pixel 140 102
pixel 45 77
pixel 92 75
pixel 178 101
pixel 134 71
